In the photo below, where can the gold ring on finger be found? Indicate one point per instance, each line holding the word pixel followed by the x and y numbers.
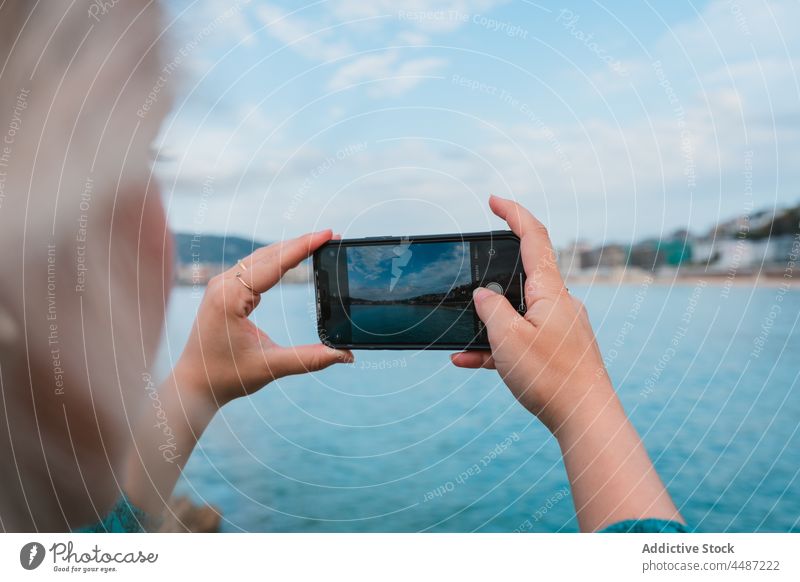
pixel 245 283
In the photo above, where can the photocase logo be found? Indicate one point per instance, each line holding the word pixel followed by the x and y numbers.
pixel 31 555
pixel 402 254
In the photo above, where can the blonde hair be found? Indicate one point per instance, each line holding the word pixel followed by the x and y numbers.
pixel 79 321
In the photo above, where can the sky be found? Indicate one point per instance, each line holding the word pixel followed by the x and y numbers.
pixel 611 121
pixel 427 268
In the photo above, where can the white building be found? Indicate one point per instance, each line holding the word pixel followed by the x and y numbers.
pixel 725 254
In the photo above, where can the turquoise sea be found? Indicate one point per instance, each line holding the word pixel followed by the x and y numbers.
pixel 403 441
pixel 403 323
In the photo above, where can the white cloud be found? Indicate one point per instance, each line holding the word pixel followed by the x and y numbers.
pixel 370 66
pixel 229 22
pixel 316 42
pixel 413 38
pixel 727 31
pixel 423 15
pixel 394 77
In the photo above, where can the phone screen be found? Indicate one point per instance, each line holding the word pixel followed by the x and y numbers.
pixel 410 293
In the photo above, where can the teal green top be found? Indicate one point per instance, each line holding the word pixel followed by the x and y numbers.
pixel 125 517
pixel 646 526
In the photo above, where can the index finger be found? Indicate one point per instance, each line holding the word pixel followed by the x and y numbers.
pixel 267 265
pixel 538 256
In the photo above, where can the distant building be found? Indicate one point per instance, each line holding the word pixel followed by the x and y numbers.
pixel 785 246
pixel 773 250
pixel 725 254
pixel 652 254
pixel 646 255
pixel 569 258
pixel 608 256
pixel 742 253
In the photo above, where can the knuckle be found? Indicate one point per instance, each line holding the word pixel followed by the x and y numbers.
pixel 214 289
pixel 540 229
pixel 314 363
pixel 516 323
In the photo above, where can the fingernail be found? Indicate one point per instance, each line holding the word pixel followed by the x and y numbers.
pixel 480 293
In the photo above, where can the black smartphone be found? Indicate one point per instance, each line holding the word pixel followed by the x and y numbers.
pixel 413 292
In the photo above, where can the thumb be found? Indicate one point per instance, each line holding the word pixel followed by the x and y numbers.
pixel 308 358
pixel 494 310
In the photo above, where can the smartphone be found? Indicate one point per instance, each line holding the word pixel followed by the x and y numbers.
pixel 413 292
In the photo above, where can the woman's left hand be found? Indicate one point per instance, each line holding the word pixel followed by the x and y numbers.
pixel 227 355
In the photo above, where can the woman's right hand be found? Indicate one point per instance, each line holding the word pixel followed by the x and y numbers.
pixel 549 358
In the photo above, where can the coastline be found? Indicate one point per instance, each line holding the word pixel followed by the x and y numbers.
pixel 711 280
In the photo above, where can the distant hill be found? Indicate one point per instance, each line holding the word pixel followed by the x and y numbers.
pixel 785 222
pixel 760 225
pixel 200 257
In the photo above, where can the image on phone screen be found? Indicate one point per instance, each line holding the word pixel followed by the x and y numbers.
pixel 413 293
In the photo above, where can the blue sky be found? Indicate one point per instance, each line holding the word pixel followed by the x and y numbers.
pixel 431 268
pixel 612 121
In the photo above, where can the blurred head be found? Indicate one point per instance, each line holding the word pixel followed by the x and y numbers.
pixel 86 252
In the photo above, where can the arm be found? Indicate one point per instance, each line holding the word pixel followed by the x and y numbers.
pixel 226 357
pixel 610 472
pixel 551 363
pixel 165 435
